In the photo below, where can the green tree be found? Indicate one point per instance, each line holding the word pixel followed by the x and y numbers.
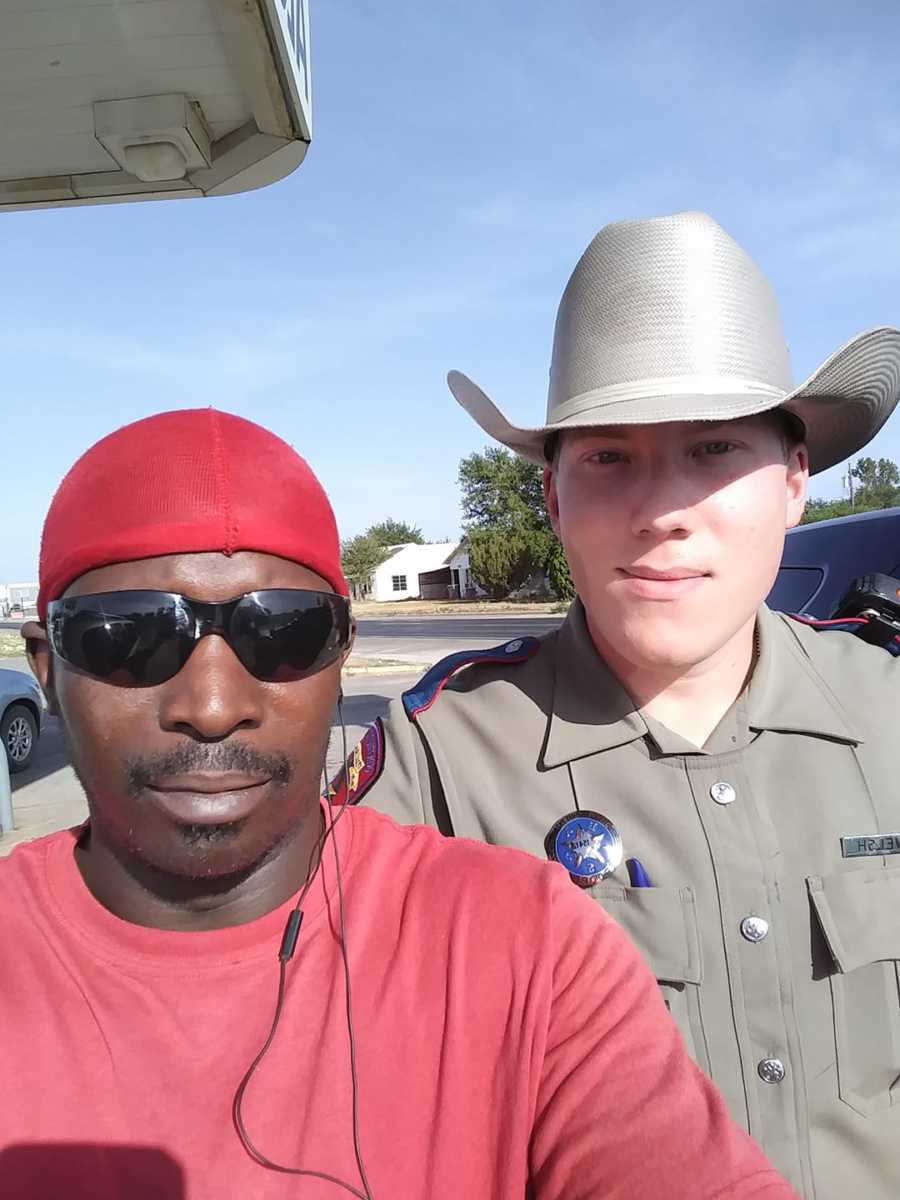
pixel 395 533
pixel 500 490
pixel 360 556
pixel 824 510
pixel 877 486
pixel 557 569
pixel 507 525
pixel 879 483
pixel 500 559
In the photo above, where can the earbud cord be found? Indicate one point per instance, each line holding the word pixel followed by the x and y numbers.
pixel 288 945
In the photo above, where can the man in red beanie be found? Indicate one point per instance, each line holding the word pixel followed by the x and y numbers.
pixel 169 1028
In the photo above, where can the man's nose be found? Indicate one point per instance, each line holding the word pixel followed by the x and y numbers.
pixel 663 501
pixel 212 695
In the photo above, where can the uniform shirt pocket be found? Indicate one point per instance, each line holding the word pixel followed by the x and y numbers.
pixel 859 915
pixel 662 923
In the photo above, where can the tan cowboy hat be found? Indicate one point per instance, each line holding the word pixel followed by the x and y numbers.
pixel 670 320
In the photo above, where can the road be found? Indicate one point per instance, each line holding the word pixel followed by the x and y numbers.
pixel 430 638
pixel 47 796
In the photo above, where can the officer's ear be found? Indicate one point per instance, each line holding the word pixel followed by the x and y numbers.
pixel 797 480
pixel 550 497
pixel 40 659
pixel 552 451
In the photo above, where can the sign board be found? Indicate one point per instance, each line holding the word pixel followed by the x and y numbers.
pixel 290 27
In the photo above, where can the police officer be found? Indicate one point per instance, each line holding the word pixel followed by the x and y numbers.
pixel 704 766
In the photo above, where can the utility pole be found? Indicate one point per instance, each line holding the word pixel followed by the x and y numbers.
pixel 7 822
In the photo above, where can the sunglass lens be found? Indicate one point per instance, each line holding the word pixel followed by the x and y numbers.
pixel 284 635
pixel 132 639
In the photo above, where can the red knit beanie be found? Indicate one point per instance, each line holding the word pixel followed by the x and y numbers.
pixel 182 482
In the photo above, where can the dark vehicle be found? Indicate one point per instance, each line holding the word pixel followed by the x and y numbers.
pixel 823 559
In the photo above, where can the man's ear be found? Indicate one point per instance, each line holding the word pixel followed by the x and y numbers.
pixel 550 497
pixel 350 644
pixel 797 482
pixel 40 659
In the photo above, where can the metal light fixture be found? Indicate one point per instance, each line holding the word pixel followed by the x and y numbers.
pixel 154 138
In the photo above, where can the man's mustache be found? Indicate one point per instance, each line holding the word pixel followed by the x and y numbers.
pixel 195 757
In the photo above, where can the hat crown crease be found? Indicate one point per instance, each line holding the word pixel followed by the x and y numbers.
pixel 669 319
pixel 667 306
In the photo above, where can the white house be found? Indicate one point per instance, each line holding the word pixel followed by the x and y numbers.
pixel 461 579
pixel 398 576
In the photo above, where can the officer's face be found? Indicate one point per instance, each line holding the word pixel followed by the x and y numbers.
pixel 674 532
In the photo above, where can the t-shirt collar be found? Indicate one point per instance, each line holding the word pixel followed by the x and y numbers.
pixel 117 941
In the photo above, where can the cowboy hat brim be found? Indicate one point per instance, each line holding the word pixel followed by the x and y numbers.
pixel 842 404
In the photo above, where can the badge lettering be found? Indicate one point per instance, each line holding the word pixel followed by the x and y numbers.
pixel 870 845
pixel 587 844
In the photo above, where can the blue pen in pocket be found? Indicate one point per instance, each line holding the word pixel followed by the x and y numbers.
pixel 637 873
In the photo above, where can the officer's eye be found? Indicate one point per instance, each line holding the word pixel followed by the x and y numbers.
pixel 605 458
pixel 709 449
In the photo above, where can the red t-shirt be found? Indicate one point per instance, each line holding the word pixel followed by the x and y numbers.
pixel 511 1042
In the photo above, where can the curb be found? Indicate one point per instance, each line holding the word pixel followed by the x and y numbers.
pixel 388 668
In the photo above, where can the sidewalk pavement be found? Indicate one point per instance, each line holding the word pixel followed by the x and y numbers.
pixel 44 806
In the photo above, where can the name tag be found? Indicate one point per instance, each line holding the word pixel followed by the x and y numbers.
pixel 870 845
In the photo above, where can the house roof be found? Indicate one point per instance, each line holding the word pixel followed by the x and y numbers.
pixel 416 558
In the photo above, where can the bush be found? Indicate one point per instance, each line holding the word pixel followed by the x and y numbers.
pixel 500 561
pixel 558 572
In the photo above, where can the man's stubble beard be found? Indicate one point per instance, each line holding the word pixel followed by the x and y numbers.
pixel 200 841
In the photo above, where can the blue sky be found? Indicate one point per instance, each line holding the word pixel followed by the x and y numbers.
pixel 463 156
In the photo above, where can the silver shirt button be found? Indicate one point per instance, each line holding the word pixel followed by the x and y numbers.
pixel 723 793
pixel 754 929
pixel 771 1070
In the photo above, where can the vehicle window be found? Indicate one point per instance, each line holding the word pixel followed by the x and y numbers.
pixel 794 588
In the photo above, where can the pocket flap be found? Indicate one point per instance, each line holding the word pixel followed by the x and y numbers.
pixel 859 912
pixel 662 923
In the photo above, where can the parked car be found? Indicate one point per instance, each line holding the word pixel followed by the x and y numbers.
pixel 821 560
pixel 21 717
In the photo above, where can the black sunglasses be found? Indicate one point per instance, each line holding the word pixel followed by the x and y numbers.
pixel 140 639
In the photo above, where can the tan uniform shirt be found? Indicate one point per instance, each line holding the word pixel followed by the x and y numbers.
pixel 777 955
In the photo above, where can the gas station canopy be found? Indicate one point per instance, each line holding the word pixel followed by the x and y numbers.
pixel 113 100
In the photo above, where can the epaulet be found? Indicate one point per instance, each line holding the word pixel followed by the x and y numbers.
pixel 362 768
pixel 840 625
pixel 854 625
pixel 420 698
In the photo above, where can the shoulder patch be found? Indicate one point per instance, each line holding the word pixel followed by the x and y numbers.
pixel 419 699
pixel 362 768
